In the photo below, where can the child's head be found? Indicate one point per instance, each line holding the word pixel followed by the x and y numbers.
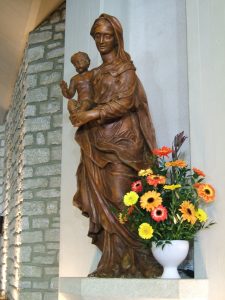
pixel 81 61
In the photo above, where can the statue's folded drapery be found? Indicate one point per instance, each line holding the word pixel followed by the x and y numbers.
pixel 113 149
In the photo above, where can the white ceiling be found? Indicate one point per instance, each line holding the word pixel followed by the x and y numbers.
pixel 17 19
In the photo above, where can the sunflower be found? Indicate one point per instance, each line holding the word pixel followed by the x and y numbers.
pixel 130 198
pixel 201 215
pixel 159 213
pixel 150 200
pixel 198 172
pixel 177 163
pixel 206 192
pixel 137 186
pixel 145 231
pixel 172 187
pixel 188 212
pixel 145 172
pixel 156 179
pixel 164 151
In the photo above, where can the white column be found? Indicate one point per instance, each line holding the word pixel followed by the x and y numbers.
pixel 206 65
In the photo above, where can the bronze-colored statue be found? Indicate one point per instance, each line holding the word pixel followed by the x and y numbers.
pixel 115 137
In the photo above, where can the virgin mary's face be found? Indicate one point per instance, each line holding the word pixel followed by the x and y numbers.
pixel 104 37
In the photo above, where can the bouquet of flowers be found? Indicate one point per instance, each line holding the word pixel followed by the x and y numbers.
pixel 166 201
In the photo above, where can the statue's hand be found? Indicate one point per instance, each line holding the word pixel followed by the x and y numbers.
pixel 82 117
pixel 64 88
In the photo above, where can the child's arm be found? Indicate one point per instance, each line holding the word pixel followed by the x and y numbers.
pixel 68 92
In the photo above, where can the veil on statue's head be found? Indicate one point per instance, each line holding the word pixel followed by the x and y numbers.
pixel 118 31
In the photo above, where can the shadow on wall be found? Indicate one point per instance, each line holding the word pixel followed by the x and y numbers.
pixel 3 114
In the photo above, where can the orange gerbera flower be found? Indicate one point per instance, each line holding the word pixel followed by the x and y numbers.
pixel 188 212
pixel 164 151
pixel 198 172
pixel 156 179
pixel 177 163
pixel 206 192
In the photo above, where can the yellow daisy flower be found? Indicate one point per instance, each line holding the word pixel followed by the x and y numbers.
pixel 145 231
pixel 188 212
pixel 130 198
pixel 150 200
pixel 201 215
pixel 172 187
pixel 145 172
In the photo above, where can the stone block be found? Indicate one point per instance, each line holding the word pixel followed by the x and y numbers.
pixel 34 183
pixel 46 27
pixel 38 124
pixel 50 107
pixel 40 248
pixel 40 285
pixel 54 283
pixel 52 207
pixel 55 53
pixel 55 91
pixel 27 172
pixel 25 254
pixel 37 95
pixel 57 120
pixel 51 270
pixel 54 45
pixel 48 193
pixel 25 225
pixel 31 296
pixel 31 237
pixel 24 284
pixel 43 259
pixel 38 37
pixel 48 170
pixel 40 138
pixel 60 27
pixel 35 53
pixel 27 195
pixel 30 111
pixel 50 77
pixel 36 156
pixel 52 235
pixel 55 17
pixel 40 223
pixel 40 67
pixel 51 296
pixel 33 208
pixel 58 36
pixel 30 271
pixel 28 139
pixel 31 81
pixel 55 182
pixel 52 246
pixel 54 137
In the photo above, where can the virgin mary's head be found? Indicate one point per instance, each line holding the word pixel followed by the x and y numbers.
pixel 117 32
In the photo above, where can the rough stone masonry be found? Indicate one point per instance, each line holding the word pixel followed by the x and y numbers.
pixel 30 168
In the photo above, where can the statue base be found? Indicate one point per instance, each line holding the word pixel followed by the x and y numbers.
pixel 132 289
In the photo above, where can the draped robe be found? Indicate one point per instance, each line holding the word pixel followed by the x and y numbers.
pixel 113 149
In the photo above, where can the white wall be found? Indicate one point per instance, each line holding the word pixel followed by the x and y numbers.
pixel 155 36
pixel 206 64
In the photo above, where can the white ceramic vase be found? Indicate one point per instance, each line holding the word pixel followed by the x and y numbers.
pixel 171 256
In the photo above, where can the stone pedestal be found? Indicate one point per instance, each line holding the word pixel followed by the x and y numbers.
pixel 132 289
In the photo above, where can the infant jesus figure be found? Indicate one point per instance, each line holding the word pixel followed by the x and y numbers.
pixel 80 82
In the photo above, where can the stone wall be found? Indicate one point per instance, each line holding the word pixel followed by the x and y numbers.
pixel 31 168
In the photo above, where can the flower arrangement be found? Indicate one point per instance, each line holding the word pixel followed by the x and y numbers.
pixel 166 202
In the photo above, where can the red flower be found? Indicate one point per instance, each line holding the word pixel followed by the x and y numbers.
pixel 156 179
pixel 164 151
pixel 159 213
pixel 198 172
pixel 137 186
